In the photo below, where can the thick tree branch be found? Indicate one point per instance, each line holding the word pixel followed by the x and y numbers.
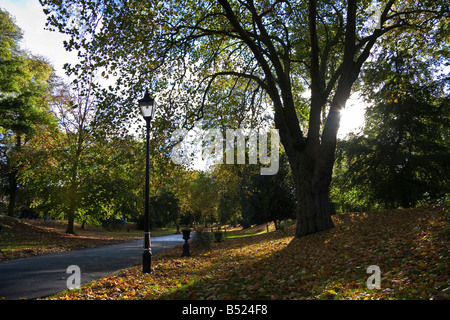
pixel 341 95
pixel 330 44
pixel 271 82
pixel 316 81
pixel 285 117
pixel 372 39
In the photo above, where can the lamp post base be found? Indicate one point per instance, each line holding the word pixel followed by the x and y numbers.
pixel 186 237
pixel 147 262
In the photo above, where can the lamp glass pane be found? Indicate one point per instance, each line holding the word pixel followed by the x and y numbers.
pixel 147 109
pixel 147 105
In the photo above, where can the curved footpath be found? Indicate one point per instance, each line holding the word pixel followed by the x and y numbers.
pixel 45 275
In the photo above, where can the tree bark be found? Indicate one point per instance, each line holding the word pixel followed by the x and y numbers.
pixel 71 209
pixel 313 211
pixel 12 177
pixel 72 196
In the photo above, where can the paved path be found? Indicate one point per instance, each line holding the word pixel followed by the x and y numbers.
pixel 44 275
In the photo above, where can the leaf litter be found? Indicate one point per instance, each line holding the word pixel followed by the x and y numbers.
pixel 409 245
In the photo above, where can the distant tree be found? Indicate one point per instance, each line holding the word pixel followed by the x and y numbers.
pixel 24 88
pixel 202 198
pixel 268 198
pixel 76 110
pixel 165 209
pixel 228 178
pixel 12 67
pixel 108 189
pixel 402 157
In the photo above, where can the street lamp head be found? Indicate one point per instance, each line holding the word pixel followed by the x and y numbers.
pixel 147 105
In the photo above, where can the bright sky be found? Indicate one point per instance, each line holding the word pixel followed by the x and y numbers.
pixel 352 118
pixel 31 19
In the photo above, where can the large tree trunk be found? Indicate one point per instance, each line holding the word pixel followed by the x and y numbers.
pixel 311 157
pixel 312 168
pixel 312 164
pixel 313 210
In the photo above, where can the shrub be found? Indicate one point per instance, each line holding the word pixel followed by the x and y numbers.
pixel 202 239
pixel 113 224
pixel 218 235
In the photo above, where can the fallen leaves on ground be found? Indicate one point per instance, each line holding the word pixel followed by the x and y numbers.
pixel 19 239
pixel 410 247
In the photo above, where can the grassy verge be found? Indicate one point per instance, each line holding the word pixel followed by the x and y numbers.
pixel 410 246
pixel 243 234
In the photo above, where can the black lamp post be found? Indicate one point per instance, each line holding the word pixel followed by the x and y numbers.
pixel 147 105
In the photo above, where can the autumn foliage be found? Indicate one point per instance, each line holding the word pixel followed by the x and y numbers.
pixel 410 247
